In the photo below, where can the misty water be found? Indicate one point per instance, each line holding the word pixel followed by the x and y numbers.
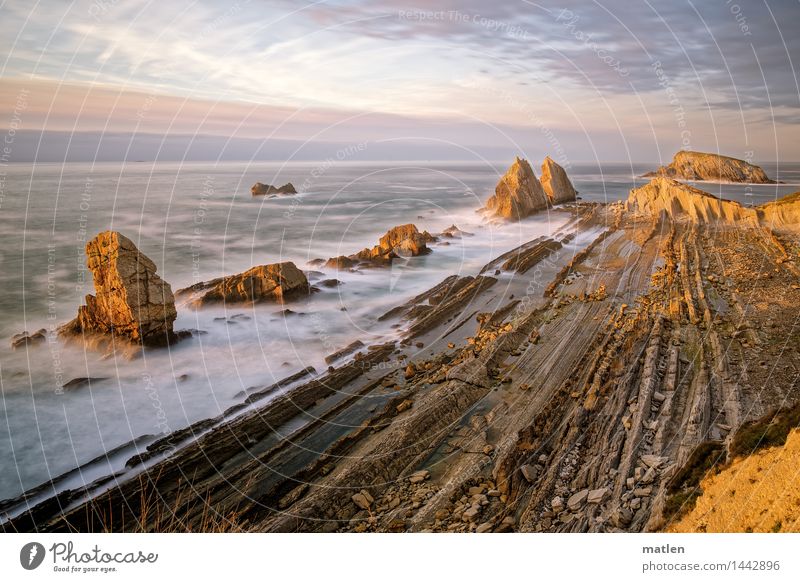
pixel 199 221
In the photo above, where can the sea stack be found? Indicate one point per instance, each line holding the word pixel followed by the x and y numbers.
pixel 688 165
pixel 556 183
pixel 274 282
pixel 518 193
pixel 130 301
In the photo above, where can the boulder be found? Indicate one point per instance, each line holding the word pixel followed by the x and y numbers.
pixel 274 282
pixel 687 165
pixel 260 189
pixel 556 183
pixel 130 301
pixel 518 193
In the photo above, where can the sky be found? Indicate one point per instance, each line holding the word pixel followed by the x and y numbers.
pixel 618 80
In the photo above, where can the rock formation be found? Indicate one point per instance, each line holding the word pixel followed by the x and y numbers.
pixel 25 339
pixel 518 193
pixel 688 165
pixel 260 189
pixel 784 212
pixel 678 200
pixel 274 282
pixel 130 300
pixel 401 241
pixel 556 183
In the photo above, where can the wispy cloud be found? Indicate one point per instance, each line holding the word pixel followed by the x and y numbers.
pixel 580 67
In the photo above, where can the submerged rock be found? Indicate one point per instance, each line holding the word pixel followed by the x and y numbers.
pixel 341 262
pixel 260 189
pixel 453 231
pixel 274 282
pixel 688 165
pixel 25 339
pixel 556 183
pixel 518 193
pixel 130 300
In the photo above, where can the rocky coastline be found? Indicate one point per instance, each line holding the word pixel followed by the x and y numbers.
pixel 577 396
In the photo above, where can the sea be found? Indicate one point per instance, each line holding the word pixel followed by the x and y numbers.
pixel 199 221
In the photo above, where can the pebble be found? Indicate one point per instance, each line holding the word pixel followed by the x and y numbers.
pixel 557 504
pixel 484 527
pixel 470 514
pixel 361 501
pixel 576 500
pixel 643 491
pixel 529 472
pixel 419 476
pixel 597 495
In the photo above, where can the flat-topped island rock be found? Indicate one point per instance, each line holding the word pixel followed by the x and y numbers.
pixel 260 189
pixel 687 165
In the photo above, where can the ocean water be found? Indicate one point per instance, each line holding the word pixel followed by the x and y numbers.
pixel 197 222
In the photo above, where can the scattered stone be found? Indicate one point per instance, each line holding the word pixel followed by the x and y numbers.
pixel 410 372
pixel 529 472
pixel 405 405
pixel 557 503
pixel 471 514
pixel 597 495
pixel 484 527
pixel 575 502
pixel 643 491
pixel 361 501
pixel 419 476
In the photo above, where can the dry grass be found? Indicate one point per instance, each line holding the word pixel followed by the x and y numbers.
pixel 757 493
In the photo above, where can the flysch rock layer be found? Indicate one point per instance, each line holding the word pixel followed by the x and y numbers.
pixel 679 200
pixel 687 165
pixel 131 301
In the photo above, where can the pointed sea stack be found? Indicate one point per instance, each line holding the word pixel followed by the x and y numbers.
pixel 518 193
pixel 130 301
pixel 556 183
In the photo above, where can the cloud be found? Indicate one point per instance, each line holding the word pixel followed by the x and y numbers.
pixel 576 67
